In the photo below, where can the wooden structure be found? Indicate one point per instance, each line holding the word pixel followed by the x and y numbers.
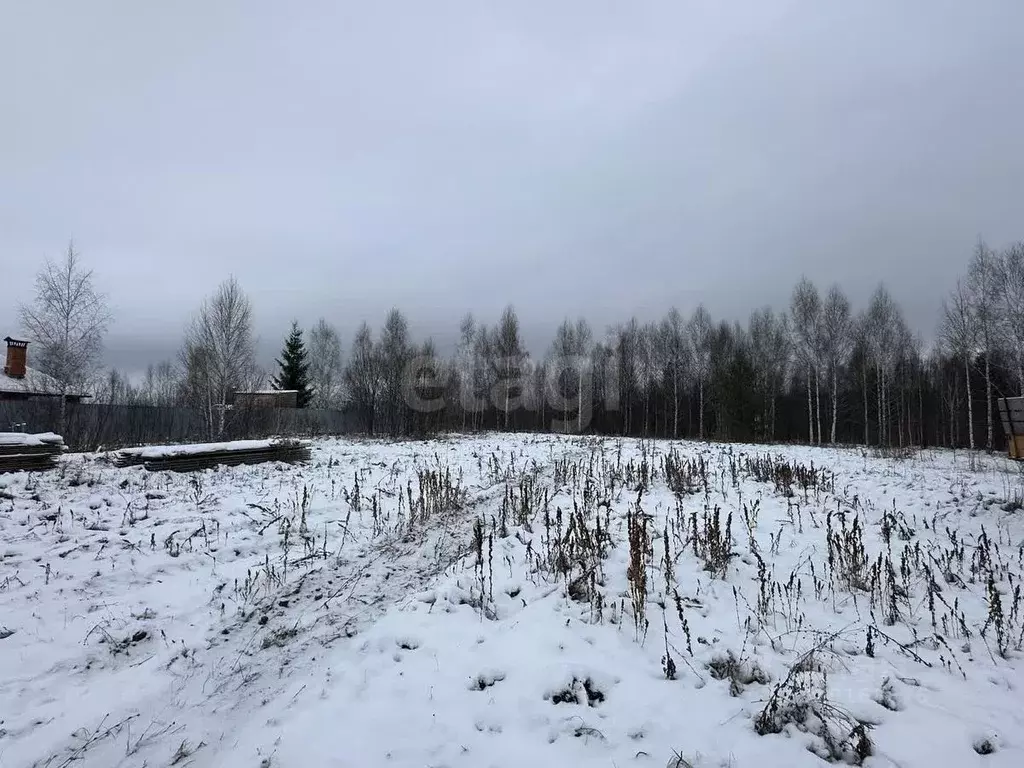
pixel 22 452
pixel 1011 414
pixel 20 381
pixel 190 458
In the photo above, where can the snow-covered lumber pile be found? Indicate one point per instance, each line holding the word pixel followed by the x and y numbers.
pixel 187 458
pixel 21 451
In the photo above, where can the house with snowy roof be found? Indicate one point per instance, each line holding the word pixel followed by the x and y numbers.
pixel 19 381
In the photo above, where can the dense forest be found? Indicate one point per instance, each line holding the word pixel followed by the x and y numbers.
pixel 818 371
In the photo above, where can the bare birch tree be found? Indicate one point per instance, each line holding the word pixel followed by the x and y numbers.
pixel 115 388
pixel 769 351
pixel 983 296
pixel 483 377
pixel 1010 281
pixel 67 321
pixel 648 371
pixel 885 331
pixel 161 384
pixel 863 344
pixel 464 364
pixel 805 308
pixel 325 365
pixel 559 368
pixel 219 353
pixel 837 342
pixel 363 378
pixel 569 368
pixel 604 368
pixel 700 331
pixel 583 339
pixel 627 345
pixel 676 354
pixel 395 353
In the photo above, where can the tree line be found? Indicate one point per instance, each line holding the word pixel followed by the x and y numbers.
pixel 818 371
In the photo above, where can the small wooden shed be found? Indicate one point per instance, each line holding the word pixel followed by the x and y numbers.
pixel 1011 414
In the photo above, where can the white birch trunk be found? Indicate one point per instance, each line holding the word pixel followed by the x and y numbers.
pixel 835 402
pixel 817 407
pixel 810 409
pixel 970 404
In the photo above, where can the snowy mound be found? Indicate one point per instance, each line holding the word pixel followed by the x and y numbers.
pixel 193 449
pixel 26 439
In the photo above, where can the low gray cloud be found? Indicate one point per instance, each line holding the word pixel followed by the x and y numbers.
pixel 596 158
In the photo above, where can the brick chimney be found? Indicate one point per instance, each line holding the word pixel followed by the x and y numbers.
pixel 17 351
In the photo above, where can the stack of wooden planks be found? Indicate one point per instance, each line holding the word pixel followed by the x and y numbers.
pixel 24 452
pixel 189 458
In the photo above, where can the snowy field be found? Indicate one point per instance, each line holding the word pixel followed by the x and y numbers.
pixel 516 601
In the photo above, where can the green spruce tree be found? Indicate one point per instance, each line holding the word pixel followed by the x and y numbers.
pixel 294 367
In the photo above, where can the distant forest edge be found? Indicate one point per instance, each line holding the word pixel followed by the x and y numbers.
pixel 818 372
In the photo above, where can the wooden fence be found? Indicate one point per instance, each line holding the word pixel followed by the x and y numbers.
pixel 96 426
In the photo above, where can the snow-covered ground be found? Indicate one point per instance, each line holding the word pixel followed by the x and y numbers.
pixel 516 600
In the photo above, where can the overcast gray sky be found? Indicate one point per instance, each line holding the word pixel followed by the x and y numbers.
pixel 567 156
